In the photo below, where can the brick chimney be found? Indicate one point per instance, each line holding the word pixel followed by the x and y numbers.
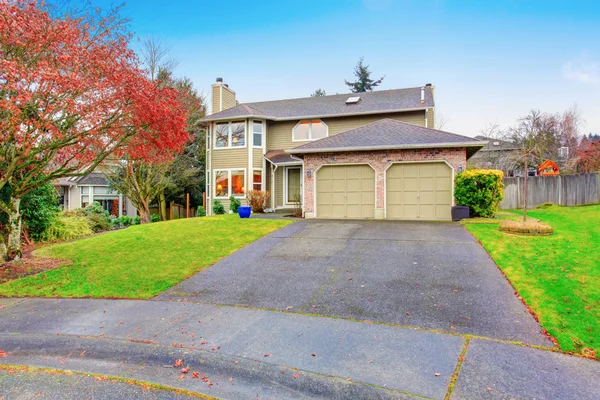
pixel 222 97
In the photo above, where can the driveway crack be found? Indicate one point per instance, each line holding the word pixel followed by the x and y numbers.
pixel 321 290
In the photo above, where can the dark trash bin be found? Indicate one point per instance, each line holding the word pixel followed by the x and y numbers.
pixel 460 212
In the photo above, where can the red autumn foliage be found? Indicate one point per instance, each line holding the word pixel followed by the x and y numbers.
pixel 74 93
pixel 589 156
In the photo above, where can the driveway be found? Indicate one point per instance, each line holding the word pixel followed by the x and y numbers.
pixel 423 274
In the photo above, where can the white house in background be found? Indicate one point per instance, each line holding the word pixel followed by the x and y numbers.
pixel 78 192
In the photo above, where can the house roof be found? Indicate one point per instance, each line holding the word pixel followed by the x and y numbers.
pixel 280 157
pixel 496 144
pixel 381 101
pixel 388 134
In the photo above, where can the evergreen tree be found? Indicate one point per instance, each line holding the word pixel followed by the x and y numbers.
pixel 318 93
pixel 364 83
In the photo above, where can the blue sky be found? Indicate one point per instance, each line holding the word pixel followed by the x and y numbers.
pixel 490 61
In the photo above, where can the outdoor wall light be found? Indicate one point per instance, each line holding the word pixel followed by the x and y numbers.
pixel 460 168
pixel 308 173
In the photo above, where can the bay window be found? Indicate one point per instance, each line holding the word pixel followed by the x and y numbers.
pixel 309 130
pixel 230 134
pixel 230 182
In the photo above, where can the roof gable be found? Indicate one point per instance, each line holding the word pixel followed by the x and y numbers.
pixel 388 134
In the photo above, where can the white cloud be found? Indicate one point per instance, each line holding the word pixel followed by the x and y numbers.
pixel 582 70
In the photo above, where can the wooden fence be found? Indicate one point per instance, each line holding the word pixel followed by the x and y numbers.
pixel 175 211
pixel 563 190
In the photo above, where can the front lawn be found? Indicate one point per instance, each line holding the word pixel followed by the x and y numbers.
pixel 141 261
pixel 558 276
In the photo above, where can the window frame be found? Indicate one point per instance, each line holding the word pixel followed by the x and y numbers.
pixel 262 133
pixel 310 123
pixel 229 183
pixel 229 142
pixel 262 178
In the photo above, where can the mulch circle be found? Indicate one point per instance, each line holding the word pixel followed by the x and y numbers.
pixel 29 265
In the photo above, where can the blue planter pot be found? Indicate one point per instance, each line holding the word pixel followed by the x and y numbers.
pixel 244 211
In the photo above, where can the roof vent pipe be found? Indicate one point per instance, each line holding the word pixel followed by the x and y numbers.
pixel 422 94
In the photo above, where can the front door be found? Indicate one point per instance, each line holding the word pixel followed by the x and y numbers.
pixel 293 185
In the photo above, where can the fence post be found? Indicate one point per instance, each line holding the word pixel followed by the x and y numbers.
pixel 518 192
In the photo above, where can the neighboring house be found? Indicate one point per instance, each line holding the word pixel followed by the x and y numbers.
pixel 78 192
pixel 363 155
pixel 497 154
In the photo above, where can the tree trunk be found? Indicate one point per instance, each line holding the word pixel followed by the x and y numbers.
pixel 162 205
pixel 144 211
pixel 13 245
pixel 525 190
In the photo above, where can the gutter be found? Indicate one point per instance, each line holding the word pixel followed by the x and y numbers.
pixel 317 116
pixel 392 147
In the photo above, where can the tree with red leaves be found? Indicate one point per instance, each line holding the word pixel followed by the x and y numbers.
pixel 588 155
pixel 71 94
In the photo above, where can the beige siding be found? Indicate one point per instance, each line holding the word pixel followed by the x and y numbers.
pixel 229 158
pixel 279 134
pixel 216 99
pixel 228 98
pixel 279 186
pixel 431 118
pixel 257 158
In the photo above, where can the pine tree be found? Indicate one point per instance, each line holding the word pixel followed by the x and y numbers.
pixel 364 82
pixel 318 93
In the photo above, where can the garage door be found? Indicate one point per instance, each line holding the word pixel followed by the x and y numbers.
pixel 421 191
pixel 346 191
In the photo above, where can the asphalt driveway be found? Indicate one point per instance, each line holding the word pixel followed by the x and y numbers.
pixel 427 275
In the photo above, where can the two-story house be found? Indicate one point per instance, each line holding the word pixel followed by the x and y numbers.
pixel 364 155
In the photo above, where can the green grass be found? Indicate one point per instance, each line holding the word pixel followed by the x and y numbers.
pixel 141 261
pixel 558 276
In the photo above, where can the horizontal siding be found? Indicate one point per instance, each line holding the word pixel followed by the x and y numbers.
pixel 431 118
pixel 257 158
pixel 228 99
pixel 279 134
pixel 216 99
pixel 279 186
pixel 229 158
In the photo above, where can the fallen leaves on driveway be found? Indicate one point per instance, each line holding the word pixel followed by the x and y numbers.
pixel 178 363
pixel 3 354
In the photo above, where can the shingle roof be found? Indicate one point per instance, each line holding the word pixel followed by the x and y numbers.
pixel 380 101
pixel 387 134
pixel 93 178
pixel 497 144
pixel 280 157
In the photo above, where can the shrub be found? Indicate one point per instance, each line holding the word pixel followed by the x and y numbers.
pixel 155 218
pixel 480 190
pixel 99 222
pixel 234 204
pixel 535 228
pixel 116 222
pixel 257 200
pixel 126 220
pixel 95 208
pixel 218 208
pixel 201 212
pixel 137 220
pixel 68 226
pixel 40 209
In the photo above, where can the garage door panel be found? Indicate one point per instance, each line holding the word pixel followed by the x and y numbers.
pixel 349 193
pixel 421 191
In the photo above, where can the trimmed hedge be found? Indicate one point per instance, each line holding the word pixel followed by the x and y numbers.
pixel 481 190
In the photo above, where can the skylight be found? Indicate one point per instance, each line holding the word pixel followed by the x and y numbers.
pixel 353 100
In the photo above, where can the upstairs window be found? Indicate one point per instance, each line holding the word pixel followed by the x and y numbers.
pixel 230 134
pixel 257 131
pixel 310 130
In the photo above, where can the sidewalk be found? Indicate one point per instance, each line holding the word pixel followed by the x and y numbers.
pixel 246 353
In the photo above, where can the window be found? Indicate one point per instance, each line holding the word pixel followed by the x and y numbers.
pixel 238 185
pixel 208 139
pixel 257 179
pixel 309 130
pixel 230 134
pixel 230 183
pixel 222 135
pixel 238 134
pixel 221 183
pixel 257 130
